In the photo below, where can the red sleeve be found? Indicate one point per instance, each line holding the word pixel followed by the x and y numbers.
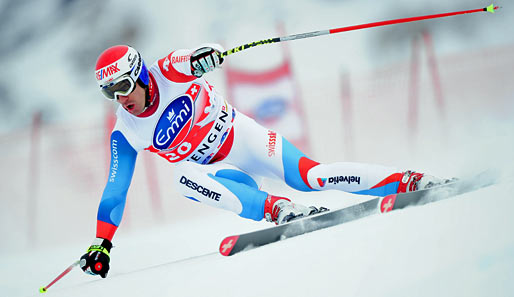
pixel 105 230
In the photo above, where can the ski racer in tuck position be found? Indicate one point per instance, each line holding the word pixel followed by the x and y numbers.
pixel 220 154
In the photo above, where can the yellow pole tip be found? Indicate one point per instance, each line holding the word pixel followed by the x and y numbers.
pixel 490 8
pixel 42 290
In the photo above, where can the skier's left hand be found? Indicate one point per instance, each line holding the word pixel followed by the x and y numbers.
pixel 96 260
pixel 205 59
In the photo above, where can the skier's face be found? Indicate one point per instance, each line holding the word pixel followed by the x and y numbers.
pixel 135 101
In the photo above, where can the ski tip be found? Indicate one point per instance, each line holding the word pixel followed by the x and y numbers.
pixel 227 245
pixel 42 290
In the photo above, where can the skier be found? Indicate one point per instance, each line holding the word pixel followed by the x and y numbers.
pixel 220 154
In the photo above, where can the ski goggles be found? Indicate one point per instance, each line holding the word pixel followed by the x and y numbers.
pixel 122 86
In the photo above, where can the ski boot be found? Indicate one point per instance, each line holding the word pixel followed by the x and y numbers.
pixel 414 181
pixel 281 210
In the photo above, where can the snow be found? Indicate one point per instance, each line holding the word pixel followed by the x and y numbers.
pixel 457 247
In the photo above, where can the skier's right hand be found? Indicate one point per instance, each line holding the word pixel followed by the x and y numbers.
pixel 96 260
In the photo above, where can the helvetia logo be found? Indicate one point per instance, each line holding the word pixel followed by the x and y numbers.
pixel 322 181
pixel 339 179
pixel 174 124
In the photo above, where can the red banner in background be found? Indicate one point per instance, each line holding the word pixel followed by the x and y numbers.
pixel 271 97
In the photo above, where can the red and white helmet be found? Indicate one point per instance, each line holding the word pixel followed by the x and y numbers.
pixel 117 70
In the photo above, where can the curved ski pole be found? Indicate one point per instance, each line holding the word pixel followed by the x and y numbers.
pixel 70 268
pixel 491 8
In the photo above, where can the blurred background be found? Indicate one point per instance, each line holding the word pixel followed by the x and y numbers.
pixel 435 95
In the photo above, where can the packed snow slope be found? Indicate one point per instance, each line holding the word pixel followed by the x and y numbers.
pixel 457 247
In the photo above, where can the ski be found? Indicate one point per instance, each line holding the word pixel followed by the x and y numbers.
pixel 237 243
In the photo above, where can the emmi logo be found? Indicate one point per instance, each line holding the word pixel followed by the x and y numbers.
pixel 176 118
